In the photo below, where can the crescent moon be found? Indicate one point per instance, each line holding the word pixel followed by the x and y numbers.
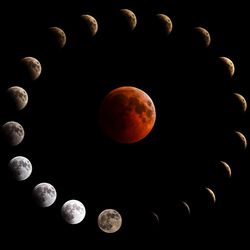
pixel 241 100
pixel 211 193
pixel 226 167
pixel 242 138
pixel 229 65
pixel 186 206
pixel 204 35
pixel 166 22
pixel 156 216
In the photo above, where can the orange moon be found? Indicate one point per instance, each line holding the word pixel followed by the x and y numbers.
pixel 127 114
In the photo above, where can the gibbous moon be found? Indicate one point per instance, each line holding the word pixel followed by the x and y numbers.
pixel 109 221
pixel 211 194
pixel 13 133
pixel 89 24
pixel 32 67
pixel 20 168
pixel 73 211
pixel 18 97
pixel 165 22
pixel 202 36
pixel 130 18
pixel 228 65
pixel 58 36
pixel 226 168
pixel 127 114
pixel 242 139
pixel 44 194
pixel 241 100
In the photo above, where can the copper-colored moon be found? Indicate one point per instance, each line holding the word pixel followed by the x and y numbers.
pixel 165 22
pixel 90 24
pixel 127 114
pixel 211 194
pixel 18 97
pixel 58 36
pixel 32 67
pixel 228 65
pixel 130 18
pixel 203 36
pixel 242 139
pixel 241 100
pixel 226 167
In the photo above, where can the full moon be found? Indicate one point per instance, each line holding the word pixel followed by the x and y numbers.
pixel 44 194
pixel 13 133
pixel 73 211
pixel 20 168
pixel 32 67
pixel 127 114
pixel 18 97
pixel 109 221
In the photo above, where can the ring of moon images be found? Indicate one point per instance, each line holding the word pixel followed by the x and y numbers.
pixel 127 115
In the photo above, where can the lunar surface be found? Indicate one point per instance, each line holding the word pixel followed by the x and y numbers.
pixel 211 194
pixel 165 22
pixel 58 36
pixel 109 221
pixel 241 100
pixel 32 67
pixel 202 36
pixel 228 65
pixel 44 194
pixel 20 168
pixel 73 211
pixel 127 114
pixel 226 168
pixel 13 133
pixel 89 24
pixel 130 18
pixel 18 97
pixel 242 139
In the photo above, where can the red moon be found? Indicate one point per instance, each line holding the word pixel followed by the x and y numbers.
pixel 127 114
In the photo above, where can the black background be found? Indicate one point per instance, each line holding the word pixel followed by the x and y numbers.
pixel 193 130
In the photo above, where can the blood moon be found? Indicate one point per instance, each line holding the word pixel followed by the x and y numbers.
pixel 127 114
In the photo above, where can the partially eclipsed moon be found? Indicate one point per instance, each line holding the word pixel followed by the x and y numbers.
pixel 18 97
pixel 203 36
pixel 89 24
pixel 241 100
pixel 211 194
pixel 186 206
pixel 165 22
pixel 130 18
pixel 13 133
pixel 228 65
pixel 242 139
pixel 32 67
pixel 58 36
pixel 226 167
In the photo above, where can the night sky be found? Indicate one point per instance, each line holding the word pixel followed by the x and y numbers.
pixel 67 148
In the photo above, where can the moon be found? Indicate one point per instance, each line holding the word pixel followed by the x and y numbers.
pixel 18 97
pixel 44 194
pixel 32 67
pixel 73 211
pixel 228 65
pixel 202 36
pixel 130 18
pixel 242 139
pixel 13 133
pixel 186 207
pixel 241 100
pixel 211 194
pixel 165 22
pixel 155 215
pixel 58 36
pixel 89 24
pixel 20 168
pixel 127 114
pixel 109 221
pixel 226 168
